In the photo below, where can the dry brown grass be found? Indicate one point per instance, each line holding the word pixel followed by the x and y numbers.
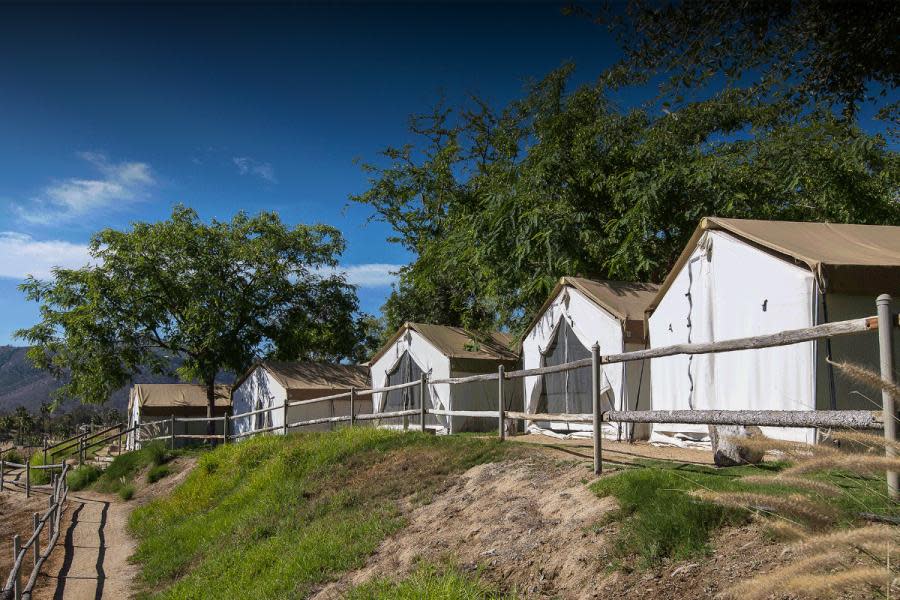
pixel 792 449
pixel 795 505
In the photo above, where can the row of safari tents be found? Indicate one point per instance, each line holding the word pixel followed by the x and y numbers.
pixel 735 278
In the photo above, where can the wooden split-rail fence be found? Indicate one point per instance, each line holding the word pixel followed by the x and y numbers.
pixel 883 322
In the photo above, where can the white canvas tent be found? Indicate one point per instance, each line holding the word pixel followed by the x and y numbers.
pixel 738 278
pixel 442 352
pixel 272 383
pixel 578 314
pixel 156 403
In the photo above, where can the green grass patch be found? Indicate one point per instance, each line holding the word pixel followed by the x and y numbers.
pixel 431 582
pixel 663 521
pixel 83 476
pixel 274 516
pixel 158 472
pixel 122 470
pixel 39 476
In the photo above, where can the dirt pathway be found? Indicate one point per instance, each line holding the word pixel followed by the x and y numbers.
pixel 93 560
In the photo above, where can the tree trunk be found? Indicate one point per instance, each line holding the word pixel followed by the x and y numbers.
pixel 210 407
pixel 727 450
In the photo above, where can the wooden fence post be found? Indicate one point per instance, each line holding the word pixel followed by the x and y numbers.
pixel 284 408
pixel 16 548
pixel 886 354
pixel 28 479
pixel 1 474
pixel 596 374
pixel 501 375
pixel 172 431
pixel 352 406
pixel 37 539
pixel 423 387
pixel 225 429
pixel 45 450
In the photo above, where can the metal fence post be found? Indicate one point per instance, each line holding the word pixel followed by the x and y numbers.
pixel 1 474
pixel 81 450
pixel 423 387
pixel 501 375
pixel 172 431
pixel 225 429
pixel 886 354
pixel 16 548
pixel 284 408
pixel 45 450
pixel 352 406
pixel 28 479
pixel 595 402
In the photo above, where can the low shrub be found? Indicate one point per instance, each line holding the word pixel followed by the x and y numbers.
pixel 157 453
pixel 14 456
pixel 158 472
pixel 83 476
pixel 126 491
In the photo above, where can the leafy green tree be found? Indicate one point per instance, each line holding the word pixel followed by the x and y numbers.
pixel 836 52
pixel 215 295
pixel 497 205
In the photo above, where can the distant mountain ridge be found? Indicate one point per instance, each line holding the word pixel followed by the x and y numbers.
pixel 23 385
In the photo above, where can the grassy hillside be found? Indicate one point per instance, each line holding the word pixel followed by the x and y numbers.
pixel 275 516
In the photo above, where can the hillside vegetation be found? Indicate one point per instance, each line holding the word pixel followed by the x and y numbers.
pixel 276 516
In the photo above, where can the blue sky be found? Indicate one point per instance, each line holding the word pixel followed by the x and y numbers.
pixel 110 114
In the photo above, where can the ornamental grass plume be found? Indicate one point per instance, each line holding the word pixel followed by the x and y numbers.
pixel 868 535
pixel 822 488
pixel 794 505
pixel 792 449
pixel 856 463
pixel 863 375
pixel 871 440
pixel 829 585
pixel 762 586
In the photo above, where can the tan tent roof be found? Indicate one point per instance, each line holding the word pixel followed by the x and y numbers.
pixel 176 395
pixel 625 300
pixel 458 343
pixel 846 258
pixel 297 375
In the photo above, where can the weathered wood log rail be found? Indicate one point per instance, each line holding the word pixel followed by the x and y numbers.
pixel 13 589
pixel 883 322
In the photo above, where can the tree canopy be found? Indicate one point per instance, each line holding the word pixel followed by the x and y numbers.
pixel 809 51
pixel 216 296
pixel 498 204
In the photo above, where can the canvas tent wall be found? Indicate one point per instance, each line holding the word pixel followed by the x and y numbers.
pixel 152 405
pixel 271 383
pixel 578 314
pixel 738 278
pixel 442 352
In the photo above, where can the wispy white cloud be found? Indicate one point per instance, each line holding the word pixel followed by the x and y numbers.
pixel 73 198
pixel 21 255
pixel 372 275
pixel 249 166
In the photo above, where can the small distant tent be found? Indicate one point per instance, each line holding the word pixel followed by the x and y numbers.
pixel 442 352
pixel 152 405
pixel 578 314
pixel 272 383
pixel 739 278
